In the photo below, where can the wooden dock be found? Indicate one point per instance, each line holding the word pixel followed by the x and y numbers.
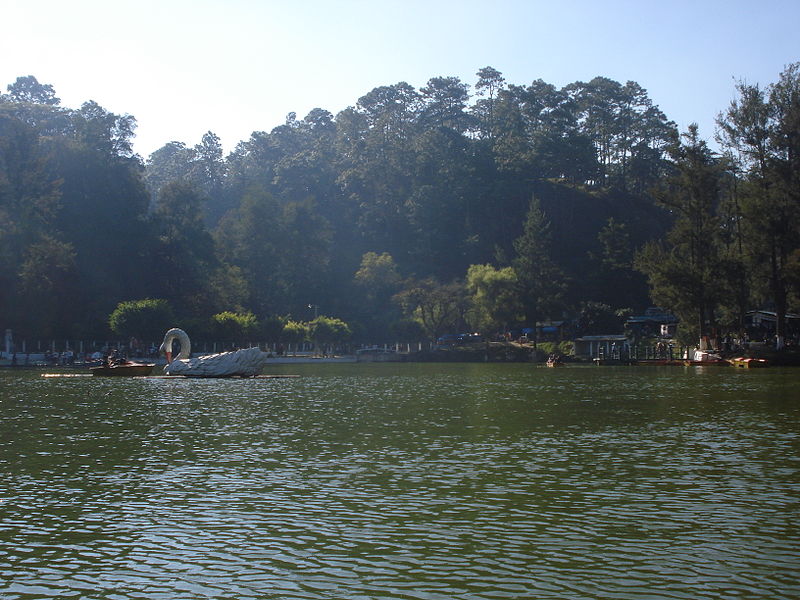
pixel 65 375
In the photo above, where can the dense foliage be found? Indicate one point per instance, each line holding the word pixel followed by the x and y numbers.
pixel 148 319
pixel 412 212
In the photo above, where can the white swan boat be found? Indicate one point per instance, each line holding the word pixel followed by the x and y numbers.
pixel 238 363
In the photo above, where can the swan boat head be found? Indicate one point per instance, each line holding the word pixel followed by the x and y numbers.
pixel 169 338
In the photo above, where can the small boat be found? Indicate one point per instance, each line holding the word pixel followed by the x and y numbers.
pixel 749 363
pixel 703 358
pixel 659 362
pixel 123 368
pixel 705 363
pixel 554 361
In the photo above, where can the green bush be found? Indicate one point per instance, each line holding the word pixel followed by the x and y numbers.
pixel 564 348
pixel 146 320
pixel 294 332
pixel 238 328
pixel 328 330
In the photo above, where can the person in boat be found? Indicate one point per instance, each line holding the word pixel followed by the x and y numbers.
pixel 110 359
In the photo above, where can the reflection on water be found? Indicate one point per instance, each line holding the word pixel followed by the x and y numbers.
pixel 403 481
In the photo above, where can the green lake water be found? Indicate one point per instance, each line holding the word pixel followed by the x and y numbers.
pixel 403 481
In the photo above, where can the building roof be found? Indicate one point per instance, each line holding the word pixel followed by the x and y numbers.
pixel 657 319
pixel 770 315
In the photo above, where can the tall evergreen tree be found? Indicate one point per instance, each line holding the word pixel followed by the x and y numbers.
pixel 684 273
pixel 763 131
pixel 252 238
pixel 187 268
pixel 542 283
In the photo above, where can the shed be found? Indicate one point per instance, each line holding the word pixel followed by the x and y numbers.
pixel 590 346
pixel 654 322
pixel 768 318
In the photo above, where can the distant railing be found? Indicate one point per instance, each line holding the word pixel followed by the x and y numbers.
pixel 25 352
pixel 649 352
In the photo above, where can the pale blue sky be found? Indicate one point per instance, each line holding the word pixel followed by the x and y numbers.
pixel 183 67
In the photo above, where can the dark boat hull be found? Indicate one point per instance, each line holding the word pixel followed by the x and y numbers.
pixel 123 370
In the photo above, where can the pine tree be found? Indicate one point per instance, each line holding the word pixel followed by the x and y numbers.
pixel 542 284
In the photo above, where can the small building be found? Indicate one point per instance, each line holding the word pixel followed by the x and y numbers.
pixel 762 323
pixel 655 322
pixel 592 346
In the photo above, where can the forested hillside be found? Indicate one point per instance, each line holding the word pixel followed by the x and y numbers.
pixel 411 213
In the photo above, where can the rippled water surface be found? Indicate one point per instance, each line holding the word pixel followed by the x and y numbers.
pixel 403 481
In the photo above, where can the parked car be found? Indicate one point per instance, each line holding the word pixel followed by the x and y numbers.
pixel 470 338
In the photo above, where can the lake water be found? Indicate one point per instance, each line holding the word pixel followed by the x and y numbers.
pixel 403 481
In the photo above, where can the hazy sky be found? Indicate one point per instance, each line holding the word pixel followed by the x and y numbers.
pixel 184 67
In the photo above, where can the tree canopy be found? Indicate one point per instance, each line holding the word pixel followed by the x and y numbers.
pixel 486 205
